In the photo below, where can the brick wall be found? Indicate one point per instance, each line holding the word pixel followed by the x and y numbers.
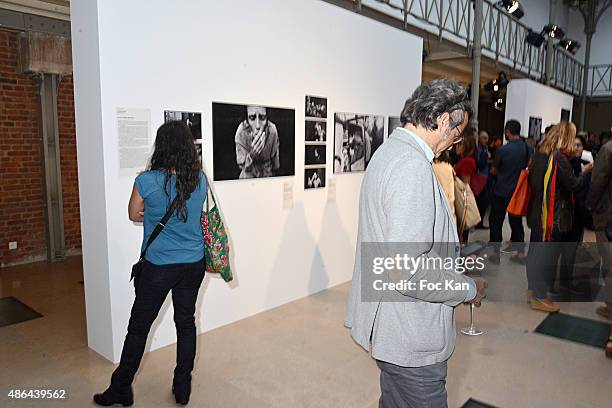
pixel 22 216
pixel 68 154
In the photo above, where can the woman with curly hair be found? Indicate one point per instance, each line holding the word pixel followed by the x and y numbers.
pixel 173 262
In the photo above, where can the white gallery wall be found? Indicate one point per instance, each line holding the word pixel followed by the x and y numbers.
pixel 156 55
pixel 527 98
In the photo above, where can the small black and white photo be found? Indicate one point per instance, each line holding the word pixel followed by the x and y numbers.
pixel 193 120
pixel 394 122
pixel 565 115
pixel 252 141
pixel 356 138
pixel 535 128
pixel 314 154
pixel 314 178
pixel 315 131
pixel 316 107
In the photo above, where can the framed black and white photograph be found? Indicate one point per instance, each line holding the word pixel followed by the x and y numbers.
pixel 314 154
pixel 394 122
pixel 193 120
pixel 316 107
pixel 535 128
pixel 565 115
pixel 315 131
pixel 314 178
pixel 252 141
pixel 356 138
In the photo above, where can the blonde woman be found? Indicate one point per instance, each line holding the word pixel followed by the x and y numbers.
pixel 551 212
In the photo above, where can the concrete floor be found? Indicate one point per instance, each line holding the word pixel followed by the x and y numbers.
pixel 298 355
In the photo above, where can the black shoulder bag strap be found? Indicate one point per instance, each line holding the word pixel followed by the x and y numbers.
pixel 158 229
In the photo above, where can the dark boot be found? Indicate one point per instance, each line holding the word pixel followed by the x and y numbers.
pixel 182 392
pixel 109 398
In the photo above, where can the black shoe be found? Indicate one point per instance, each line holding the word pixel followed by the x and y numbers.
pixel 108 398
pixel 181 398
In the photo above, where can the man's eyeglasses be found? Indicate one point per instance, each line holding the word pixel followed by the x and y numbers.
pixel 459 137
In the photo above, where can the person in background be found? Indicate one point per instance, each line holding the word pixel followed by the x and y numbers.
pixel 599 200
pixel 483 163
pixel 466 167
pixel 604 138
pixel 174 261
pixel 509 161
pixel 551 213
pixel 494 146
pixel 594 143
pixel 445 174
pixel 586 154
pixel 583 212
pixel 581 217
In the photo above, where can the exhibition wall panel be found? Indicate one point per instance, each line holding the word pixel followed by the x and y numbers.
pixel 286 242
pixel 526 98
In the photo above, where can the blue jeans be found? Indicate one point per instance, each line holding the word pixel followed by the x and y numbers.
pixel 152 287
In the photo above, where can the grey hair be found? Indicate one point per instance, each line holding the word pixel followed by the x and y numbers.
pixel 432 99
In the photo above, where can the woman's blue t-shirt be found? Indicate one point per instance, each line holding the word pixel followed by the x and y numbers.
pixel 179 242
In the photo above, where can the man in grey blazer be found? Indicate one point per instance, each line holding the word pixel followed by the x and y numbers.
pixel 410 330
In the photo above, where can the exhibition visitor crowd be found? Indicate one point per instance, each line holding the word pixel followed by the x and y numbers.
pixel 569 179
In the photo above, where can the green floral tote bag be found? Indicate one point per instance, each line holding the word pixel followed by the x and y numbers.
pixel 216 245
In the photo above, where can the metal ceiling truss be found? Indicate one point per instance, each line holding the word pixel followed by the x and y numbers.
pixel 503 40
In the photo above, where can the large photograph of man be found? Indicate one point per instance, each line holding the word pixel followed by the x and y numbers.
pixel 252 141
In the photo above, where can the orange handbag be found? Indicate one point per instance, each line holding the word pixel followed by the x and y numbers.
pixel 519 204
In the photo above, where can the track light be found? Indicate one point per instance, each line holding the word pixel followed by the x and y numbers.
pixel 497 84
pixel 569 45
pixel 535 39
pixel 553 31
pixel 512 7
pixel 499 103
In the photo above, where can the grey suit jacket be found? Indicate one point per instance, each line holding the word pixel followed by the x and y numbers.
pixel 402 202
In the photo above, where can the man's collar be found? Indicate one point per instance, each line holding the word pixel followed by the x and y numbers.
pixel 429 154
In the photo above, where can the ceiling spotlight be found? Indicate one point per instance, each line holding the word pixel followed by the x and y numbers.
pixel 491 86
pixel 513 7
pixel 535 39
pixel 569 45
pixel 553 31
pixel 499 104
pixel 497 84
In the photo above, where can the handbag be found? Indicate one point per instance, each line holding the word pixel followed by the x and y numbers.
pixel 466 208
pixel 138 266
pixel 477 183
pixel 519 203
pixel 216 245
